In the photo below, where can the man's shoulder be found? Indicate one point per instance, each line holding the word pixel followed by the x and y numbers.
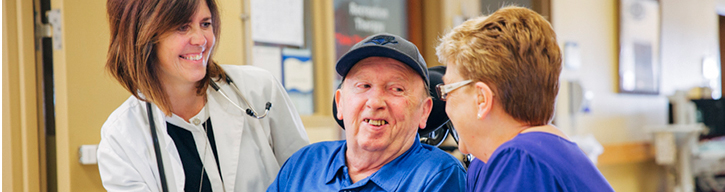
pixel 428 169
pixel 313 159
pixel 433 158
pixel 319 150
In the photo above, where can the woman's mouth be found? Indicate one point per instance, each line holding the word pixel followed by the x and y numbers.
pixel 192 57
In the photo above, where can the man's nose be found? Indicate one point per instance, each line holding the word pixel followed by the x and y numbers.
pixel 376 99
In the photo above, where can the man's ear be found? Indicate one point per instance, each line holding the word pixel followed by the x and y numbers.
pixel 427 106
pixel 484 99
pixel 338 98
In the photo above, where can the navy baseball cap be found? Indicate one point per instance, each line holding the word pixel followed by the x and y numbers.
pixel 384 45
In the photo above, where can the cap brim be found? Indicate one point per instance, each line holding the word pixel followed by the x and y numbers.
pixel 348 60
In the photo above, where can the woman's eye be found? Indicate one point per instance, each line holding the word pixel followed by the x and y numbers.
pixel 206 24
pixel 184 28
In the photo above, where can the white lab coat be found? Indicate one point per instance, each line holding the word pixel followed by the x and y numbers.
pixel 251 151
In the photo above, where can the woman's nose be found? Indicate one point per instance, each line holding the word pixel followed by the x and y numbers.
pixel 198 38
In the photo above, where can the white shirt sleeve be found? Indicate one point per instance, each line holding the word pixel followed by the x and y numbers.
pixel 287 131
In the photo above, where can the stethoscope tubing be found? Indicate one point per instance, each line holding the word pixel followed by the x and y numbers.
pixel 157 150
pixel 250 111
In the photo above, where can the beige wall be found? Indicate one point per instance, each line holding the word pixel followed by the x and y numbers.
pixel 632 177
pixel 21 168
pixel 231 49
pixel 85 93
pixel 10 155
pixel 689 31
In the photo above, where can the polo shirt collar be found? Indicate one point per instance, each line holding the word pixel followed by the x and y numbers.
pixel 336 163
pixel 388 177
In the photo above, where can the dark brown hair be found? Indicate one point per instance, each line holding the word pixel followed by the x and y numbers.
pixel 136 26
pixel 514 50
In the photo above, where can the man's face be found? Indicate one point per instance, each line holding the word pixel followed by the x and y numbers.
pixel 382 102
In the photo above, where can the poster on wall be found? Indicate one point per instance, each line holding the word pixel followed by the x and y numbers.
pixel 278 22
pixel 639 46
pixel 357 19
pixel 268 58
pixel 297 79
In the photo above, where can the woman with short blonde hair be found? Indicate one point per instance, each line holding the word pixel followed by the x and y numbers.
pixel 500 90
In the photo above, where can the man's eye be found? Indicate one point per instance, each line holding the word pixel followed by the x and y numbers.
pixel 398 89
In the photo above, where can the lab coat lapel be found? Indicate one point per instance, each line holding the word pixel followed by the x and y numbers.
pixel 228 124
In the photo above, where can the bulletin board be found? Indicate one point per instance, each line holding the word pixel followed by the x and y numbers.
pixel 280 33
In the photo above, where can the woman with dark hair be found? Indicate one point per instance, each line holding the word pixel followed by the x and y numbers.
pixel 191 124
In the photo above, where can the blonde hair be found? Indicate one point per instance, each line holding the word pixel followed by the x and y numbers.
pixel 136 27
pixel 513 50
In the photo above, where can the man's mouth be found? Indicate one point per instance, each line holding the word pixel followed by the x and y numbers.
pixel 192 57
pixel 376 122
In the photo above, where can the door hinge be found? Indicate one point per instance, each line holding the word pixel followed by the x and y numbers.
pixel 45 30
pixel 53 28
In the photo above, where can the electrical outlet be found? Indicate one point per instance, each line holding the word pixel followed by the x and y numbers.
pixel 87 154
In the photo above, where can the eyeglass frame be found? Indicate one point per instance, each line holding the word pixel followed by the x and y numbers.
pixel 443 90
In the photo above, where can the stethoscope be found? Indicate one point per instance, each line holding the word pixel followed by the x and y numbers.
pixel 250 111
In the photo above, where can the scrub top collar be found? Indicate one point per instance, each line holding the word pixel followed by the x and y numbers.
pixel 388 177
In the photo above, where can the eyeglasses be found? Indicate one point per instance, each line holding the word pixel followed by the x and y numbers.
pixel 444 90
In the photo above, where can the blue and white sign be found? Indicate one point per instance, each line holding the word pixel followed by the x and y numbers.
pixel 297 78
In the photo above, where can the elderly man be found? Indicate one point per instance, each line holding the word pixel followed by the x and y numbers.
pixel 383 100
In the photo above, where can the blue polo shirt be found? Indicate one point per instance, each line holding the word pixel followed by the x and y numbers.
pixel 321 167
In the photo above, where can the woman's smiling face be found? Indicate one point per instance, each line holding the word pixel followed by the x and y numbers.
pixel 183 53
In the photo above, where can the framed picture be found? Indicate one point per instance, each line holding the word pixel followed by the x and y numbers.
pixel 639 46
